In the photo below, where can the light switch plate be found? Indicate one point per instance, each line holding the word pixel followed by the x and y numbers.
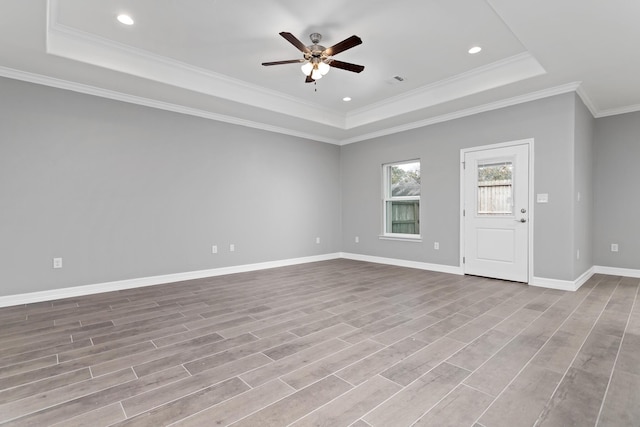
pixel 542 198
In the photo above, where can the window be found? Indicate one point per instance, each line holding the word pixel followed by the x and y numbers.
pixel 401 209
pixel 495 189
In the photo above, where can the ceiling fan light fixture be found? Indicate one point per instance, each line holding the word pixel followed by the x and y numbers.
pixel 317 59
pixel 306 68
pixel 323 67
pixel 316 74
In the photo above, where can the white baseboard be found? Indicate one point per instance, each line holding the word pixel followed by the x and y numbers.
pixel 569 285
pixel 54 294
pixel 441 268
pixel 615 271
pixel 563 285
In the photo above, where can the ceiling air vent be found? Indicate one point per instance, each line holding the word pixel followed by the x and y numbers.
pixel 395 80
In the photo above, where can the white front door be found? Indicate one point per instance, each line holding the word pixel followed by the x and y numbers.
pixel 496 212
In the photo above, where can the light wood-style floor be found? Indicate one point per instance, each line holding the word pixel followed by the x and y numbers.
pixel 335 343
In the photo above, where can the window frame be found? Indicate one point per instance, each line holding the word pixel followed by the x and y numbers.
pixel 387 197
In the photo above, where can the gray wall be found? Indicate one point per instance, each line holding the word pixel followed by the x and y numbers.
pixel 583 184
pixel 121 191
pixel 549 121
pixel 617 192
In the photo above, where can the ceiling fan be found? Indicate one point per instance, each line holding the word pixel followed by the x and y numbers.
pixel 317 59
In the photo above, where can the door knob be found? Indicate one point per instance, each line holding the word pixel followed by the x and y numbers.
pixel 521 220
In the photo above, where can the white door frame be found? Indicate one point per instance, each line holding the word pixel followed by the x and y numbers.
pixel 530 223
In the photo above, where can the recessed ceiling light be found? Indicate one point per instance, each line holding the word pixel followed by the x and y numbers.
pixel 346 99
pixel 125 19
pixel 475 49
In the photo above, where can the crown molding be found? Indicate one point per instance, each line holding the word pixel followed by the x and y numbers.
pixel 91 49
pixel 510 70
pixel 591 106
pixel 71 43
pixel 597 113
pixel 119 96
pixel 616 111
pixel 147 102
pixel 132 99
pixel 533 96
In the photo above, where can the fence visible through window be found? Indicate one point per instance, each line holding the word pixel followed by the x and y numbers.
pixel 495 189
pixel 405 217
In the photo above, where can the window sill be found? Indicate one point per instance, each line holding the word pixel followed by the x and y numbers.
pixel 414 239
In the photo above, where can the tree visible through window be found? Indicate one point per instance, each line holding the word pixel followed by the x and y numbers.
pixel 402 198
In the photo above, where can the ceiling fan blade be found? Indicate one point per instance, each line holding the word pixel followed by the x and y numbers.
pixel 346 66
pixel 294 41
pixel 290 61
pixel 343 45
pixel 309 80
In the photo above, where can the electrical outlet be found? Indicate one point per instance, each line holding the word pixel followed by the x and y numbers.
pixel 317 240
pixel 57 263
pixel 214 249
pixel 436 246
pixel 232 247
pixel 357 239
pixel 614 247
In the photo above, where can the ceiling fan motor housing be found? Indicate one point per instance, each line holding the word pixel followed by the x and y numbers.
pixel 315 49
pixel 315 38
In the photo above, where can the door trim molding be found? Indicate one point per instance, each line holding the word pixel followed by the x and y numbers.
pixel 529 142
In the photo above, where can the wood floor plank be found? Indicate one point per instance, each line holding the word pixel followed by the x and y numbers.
pixel 296 405
pixel 295 361
pixel 29 365
pixel 307 341
pixel 239 406
pixel 337 342
pixel 378 362
pixel 102 417
pixel 405 329
pixel 161 395
pixel 173 355
pixel 189 404
pixel 408 370
pixel 87 403
pixel 495 374
pixel 524 399
pixel 622 402
pixel 442 328
pixel 479 351
pixel 352 405
pixel 459 408
pixel 238 352
pixel 44 385
pixel 408 405
pixel 309 374
pixel 60 395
